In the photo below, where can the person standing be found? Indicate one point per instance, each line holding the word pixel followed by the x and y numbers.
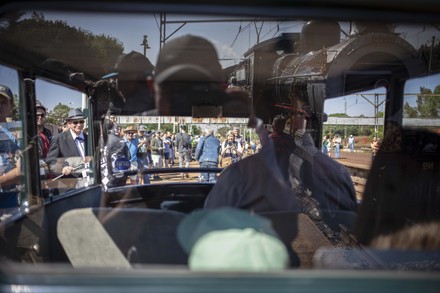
pixel 325 142
pixel 142 153
pixel 157 152
pixel 351 143
pixel 207 152
pixel 117 153
pixel 166 148
pixel 375 145
pixel 70 145
pixel 149 158
pixel 44 134
pixel 231 151
pixel 183 143
pixel 132 145
pixel 172 139
pixel 337 143
pixel 238 138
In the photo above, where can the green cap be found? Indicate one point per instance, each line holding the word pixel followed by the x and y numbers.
pixel 238 250
pixel 231 239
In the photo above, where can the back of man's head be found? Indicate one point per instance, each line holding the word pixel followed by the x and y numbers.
pixel 188 74
pixel 278 124
pixel 132 66
pixel 188 58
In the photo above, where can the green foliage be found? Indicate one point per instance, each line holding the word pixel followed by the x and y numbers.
pixel 95 55
pixel 339 115
pixel 195 130
pixel 428 102
pixel 349 129
pixel 15 115
pixel 58 114
pixel 410 112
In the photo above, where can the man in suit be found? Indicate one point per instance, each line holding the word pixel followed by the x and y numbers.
pixel 68 150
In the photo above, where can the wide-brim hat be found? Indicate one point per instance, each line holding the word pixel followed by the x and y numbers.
pixel 75 114
pixel 188 59
pixel 133 63
pixel 130 129
pixel 141 128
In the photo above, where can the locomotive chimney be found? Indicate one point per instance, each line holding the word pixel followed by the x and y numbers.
pixel 360 28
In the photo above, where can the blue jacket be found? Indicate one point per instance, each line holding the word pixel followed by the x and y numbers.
pixel 208 149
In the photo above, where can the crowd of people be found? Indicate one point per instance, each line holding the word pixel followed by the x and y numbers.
pixel 332 146
pixel 156 149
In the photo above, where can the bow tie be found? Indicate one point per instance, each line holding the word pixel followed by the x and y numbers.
pixel 79 138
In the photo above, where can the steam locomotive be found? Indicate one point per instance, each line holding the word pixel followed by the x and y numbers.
pixel 294 73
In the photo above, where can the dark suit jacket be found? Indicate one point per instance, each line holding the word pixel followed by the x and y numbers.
pixel 63 146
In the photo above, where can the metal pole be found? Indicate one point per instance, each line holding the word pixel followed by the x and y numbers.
pixel 145 45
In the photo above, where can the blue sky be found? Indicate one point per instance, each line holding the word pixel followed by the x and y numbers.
pixel 231 40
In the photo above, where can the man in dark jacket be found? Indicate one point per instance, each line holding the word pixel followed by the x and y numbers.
pixel 207 151
pixel 44 134
pixel 115 157
pixel 68 150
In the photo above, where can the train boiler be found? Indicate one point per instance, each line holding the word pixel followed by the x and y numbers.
pixel 295 73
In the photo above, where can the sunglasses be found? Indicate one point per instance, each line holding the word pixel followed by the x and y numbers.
pixel 76 122
pixel 40 115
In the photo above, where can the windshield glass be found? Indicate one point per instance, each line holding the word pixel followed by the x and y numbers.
pixel 205 142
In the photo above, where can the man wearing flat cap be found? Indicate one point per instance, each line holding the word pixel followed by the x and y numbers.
pixel 134 72
pixel 187 73
pixel 70 145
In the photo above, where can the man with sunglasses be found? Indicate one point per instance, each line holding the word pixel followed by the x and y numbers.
pixel 44 134
pixel 69 149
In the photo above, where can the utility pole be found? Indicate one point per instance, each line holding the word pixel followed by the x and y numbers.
pixel 376 104
pixel 345 109
pixel 145 45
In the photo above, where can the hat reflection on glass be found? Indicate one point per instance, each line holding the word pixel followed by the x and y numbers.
pixel 133 64
pixel 229 239
pixel 6 92
pixel 39 105
pixel 75 114
pixel 188 58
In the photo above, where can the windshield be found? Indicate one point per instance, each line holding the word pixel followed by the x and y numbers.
pixel 219 142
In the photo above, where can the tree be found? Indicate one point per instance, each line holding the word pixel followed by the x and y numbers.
pixel 94 55
pixel 58 114
pixel 15 115
pixel 428 102
pixel 410 112
pixel 339 115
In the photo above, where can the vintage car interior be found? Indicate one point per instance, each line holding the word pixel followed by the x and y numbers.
pixel 365 220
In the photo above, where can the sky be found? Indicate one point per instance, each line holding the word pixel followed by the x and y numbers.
pixel 231 40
